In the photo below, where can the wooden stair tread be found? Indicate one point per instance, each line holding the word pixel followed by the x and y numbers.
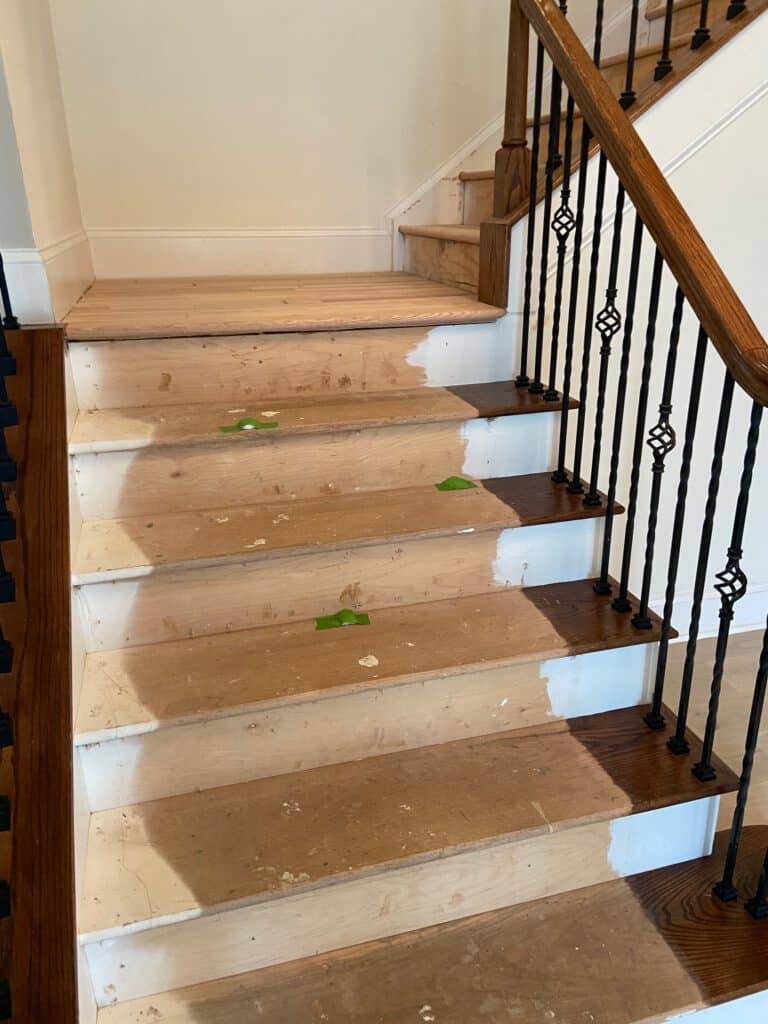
pixel 655 49
pixel 477 175
pixel 469 234
pixel 100 430
pixel 123 548
pixel 190 307
pixel 220 848
pixel 139 689
pixel 574 956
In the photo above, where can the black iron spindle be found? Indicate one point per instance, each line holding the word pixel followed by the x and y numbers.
pixel 9 320
pixel 576 486
pixel 701 35
pixel 563 224
pixel 731 586
pixel 621 602
pixel 736 8
pixel 629 95
pixel 664 66
pixel 602 586
pixel 662 439
pixel 758 905
pixel 523 380
pixel 608 324
pixel 725 889
pixel 678 744
pixel 599 19
pixel 537 385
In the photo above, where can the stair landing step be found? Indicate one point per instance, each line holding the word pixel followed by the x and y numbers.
pixel 190 307
pixel 628 951
pixel 140 689
pixel 101 430
pixel 137 546
pixel 222 848
pixel 469 234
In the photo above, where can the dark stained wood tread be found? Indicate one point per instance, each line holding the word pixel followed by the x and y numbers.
pixel 140 689
pixel 137 546
pixel 193 307
pixel 468 234
pixel 101 430
pixel 342 821
pixel 632 951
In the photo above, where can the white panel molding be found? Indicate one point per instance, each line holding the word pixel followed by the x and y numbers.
pixel 45 283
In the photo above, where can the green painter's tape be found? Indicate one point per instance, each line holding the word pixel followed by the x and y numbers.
pixel 246 424
pixel 346 617
pixel 455 483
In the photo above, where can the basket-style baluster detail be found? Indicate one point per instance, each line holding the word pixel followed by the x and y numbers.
pixel 662 439
pixel 608 322
pixel 564 220
pixel 731 583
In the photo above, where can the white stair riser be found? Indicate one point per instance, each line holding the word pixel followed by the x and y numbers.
pixel 246 368
pixel 156 479
pixel 198 602
pixel 299 736
pixel 393 901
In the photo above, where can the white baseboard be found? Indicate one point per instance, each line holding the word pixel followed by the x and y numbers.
pixel 177 253
pixel 45 283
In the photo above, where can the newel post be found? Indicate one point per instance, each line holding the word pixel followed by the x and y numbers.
pixel 513 163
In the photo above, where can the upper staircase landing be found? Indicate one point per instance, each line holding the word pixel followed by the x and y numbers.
pixel 188 307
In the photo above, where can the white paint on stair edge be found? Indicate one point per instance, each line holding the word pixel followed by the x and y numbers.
pixel 509 445
pixel 467 353
pixel 549 553
pixel 600 681
pixel 679 833
pixel 748 1010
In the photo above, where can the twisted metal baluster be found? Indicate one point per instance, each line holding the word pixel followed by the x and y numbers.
pixel 621 602
pixel 725 889
pixel 702 33
pixel 664 66
pixel 678 744
pixel 602 586
pixel 523 380
pixel 731 586
pixel 629 95
pixel 661 440
pixel 608 323
pixel 563 224
pixel 537 386
pixel 758 905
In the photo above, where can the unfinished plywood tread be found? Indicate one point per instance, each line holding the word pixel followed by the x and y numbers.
pixel 140 689
pixel 188 307
pixel 102 430
pixel 111 549
pixel 469 234
pixel 173 859
pixel 568 958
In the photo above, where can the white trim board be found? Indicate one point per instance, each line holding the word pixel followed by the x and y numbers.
pixel 45 283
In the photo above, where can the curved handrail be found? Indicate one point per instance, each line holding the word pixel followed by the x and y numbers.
pixel 705 285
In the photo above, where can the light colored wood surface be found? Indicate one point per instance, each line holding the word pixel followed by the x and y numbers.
pixel 466 233
pixel 443 259
pixel 185 307
pixel 101 430
pixel 478 200
pixel 172 859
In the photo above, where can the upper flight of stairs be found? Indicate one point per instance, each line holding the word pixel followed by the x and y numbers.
pixel 261 791
pixel 451 252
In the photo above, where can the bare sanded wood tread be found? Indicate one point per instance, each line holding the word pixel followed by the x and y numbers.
pixel 468 234
pixel 189 307
pixel 101 430
pixel 632 951
pixel 139 689
pixel 139 545
pixel 231 846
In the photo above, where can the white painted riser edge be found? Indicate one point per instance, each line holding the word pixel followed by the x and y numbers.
pixel 163 479
pixel 749 1010
pixel 350 727
pixel 217 599
pixel 394 901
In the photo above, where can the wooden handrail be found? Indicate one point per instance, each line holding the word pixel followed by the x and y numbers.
pixel 708 290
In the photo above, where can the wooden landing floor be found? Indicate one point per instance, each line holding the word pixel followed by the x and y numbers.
pixel 184 307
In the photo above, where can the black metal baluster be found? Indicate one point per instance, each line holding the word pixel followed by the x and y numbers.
pixel 701 35
pixel 621 602
pixel 678 743
pixel 523 380
pixel 9 320
pixel 661 440
pixel 563 224
pixel 758 905
pixel 537 386
pixel 736 8
pixel 599 18
pixel 608 323
pixel 664 66
pixel 602 586
pixel 576 486
pixel 725 889
pixel 629 95
pixel 731 586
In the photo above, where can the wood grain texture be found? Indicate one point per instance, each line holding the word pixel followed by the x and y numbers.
pixel 188 307
pixel 452 261
pixel 710 293
pixel 43 972
pixel 635 951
